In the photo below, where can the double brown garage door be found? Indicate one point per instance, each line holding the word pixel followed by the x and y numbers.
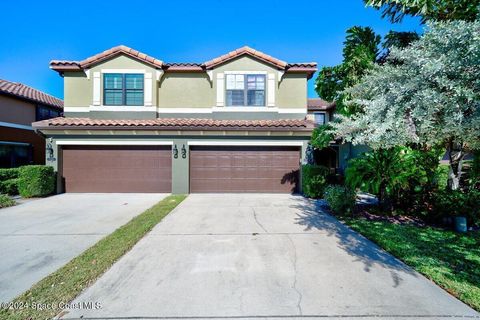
pixel 149 169
pixel 244 169
pixel 117 169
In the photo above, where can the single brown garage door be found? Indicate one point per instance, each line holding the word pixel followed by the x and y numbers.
pixel 117 168
pixel 244 169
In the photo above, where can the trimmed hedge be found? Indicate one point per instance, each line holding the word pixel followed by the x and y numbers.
pixel 314 180
pixel 5 201
pixel 9 187
pixel 36 181
pixel 7 174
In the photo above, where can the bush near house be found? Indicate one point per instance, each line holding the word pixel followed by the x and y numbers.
pixel 6 201
pixel 7 174
pixel 9 187
pixel 341 199
pixel 314 180
pixel 36 181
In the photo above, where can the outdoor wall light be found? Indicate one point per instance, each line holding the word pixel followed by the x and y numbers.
pixel 175 152
pixel 184 152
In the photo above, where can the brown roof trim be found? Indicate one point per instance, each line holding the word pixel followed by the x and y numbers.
pixel 174 124
pixel 19 90
pixel 245 51
pixel 184 67
pixel 317 104
pixel 62 65
pixel 65 65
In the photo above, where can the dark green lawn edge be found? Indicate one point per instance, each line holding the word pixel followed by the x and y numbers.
pixel 69 281
pixel 455 284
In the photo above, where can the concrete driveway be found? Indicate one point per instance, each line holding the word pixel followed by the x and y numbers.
pixel 38 237
pixel 261 256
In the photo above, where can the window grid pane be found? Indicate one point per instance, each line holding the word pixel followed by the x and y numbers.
pixel 123 89
pixel 134 98
pixel 245 90
pixel 235 98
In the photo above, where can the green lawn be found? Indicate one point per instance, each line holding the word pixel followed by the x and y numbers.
pixel 67 282
pixel 450 259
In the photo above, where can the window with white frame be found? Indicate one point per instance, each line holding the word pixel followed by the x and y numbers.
pixel 319 118
pixel 123 89
pixel 245 90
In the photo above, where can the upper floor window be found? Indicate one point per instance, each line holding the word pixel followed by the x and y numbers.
pixel 319 118
pixel 245 90
pixel 44 113
pixel 123 89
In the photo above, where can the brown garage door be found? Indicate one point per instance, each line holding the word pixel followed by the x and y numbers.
pixel 244 169
pixel 117 168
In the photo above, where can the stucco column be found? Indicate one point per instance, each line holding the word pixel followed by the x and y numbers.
pixel 180 167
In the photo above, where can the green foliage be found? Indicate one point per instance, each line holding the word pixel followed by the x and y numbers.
pixel 7 174
pixel 9 187
pixel 6 201
pixel 439 10
pixel 314 180
pixel 396 39
pixel 359 54
pixel 341 199
pixel 322 136
pixel 400 177
pixel 449 203
pixel 428 97
pixel 442 176
pixel 36 181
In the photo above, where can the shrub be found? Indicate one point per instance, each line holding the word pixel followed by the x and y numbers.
pixel 314 180
pixel 6 201
pixel 36 181
pixel 9 187
pixel 455 203
pixel 341 199
pixel 7 174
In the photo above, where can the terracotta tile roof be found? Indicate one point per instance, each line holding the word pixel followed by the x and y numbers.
pixel 62 65
pixel 25 92
pixel 317 104
pixel 249 51
pixel 183 66
pixel 176 124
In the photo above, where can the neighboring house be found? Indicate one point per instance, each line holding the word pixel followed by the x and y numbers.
pixel 134 123
pixel 20 105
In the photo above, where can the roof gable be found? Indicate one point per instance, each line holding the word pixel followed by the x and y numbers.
pixel 246 51
pixel 61 65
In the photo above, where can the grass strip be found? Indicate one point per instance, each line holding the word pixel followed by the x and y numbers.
pixel 450 259
pixel 68 282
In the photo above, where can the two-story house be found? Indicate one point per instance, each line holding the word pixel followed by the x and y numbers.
pixel 133 123
pixel 20 105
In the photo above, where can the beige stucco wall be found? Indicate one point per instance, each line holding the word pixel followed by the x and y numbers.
pixel 78 89
pixel 16 111
pixel 292 91
pixel 185 90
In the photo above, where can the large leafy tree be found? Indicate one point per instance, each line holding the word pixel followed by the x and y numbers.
pixel 359 54
pixel 429 10
pixel 426 95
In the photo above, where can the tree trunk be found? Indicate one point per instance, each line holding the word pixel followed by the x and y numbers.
pixel 455 157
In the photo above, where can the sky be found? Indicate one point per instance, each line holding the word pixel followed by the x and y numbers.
pixel 36 32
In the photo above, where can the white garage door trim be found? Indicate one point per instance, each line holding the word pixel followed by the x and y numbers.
pixel 113 143
pixel 246 143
